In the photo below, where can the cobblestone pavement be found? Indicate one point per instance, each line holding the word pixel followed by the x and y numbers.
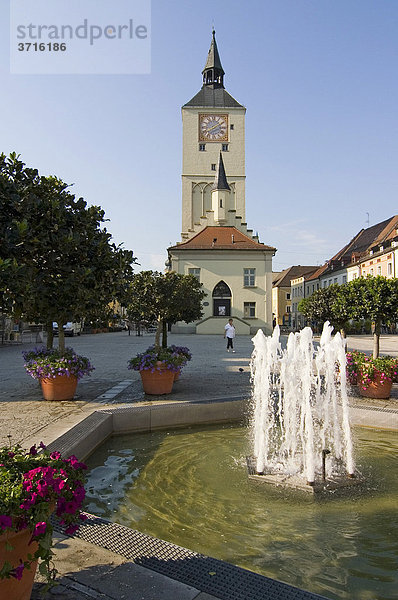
pixel 87 571
pixel 212 373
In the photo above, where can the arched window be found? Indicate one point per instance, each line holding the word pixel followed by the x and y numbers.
pixel 221 300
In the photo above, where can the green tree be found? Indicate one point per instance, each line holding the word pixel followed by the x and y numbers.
pixel 165 298
pixel 331 304
pixel 375 298
pixel 66 264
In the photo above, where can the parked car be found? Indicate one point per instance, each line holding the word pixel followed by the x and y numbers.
pixel 70 329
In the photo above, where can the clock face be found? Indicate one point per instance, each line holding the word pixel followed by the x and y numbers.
pixel 213 128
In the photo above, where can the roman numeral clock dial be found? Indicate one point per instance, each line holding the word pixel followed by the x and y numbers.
pixel 213 128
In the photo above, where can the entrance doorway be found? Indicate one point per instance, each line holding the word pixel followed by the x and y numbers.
pixel 221 300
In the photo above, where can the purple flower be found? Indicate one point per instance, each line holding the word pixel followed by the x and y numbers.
pixel 18 572
pixel 5 521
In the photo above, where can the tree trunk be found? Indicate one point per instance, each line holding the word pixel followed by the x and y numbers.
pixel 376 339
pixel 158 332
pixel 61 339
pixel 164 334
pixel 344 336
pixel 50 334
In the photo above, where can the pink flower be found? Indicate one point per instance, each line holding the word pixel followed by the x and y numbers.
pixel 40 528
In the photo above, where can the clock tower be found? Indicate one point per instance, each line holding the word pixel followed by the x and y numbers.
pixel 213 122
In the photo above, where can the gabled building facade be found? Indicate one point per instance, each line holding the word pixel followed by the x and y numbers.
pixel 283 301
pixel 216 245
pixel 372 252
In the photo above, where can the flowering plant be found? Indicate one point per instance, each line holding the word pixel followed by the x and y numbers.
pixel 157 359
pixel 183 350
pixel 364 368
pixel 32 483
pixel 44 363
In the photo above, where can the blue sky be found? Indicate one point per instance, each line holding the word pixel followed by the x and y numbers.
pixel 318 78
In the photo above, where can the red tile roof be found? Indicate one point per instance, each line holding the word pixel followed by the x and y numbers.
pixel 221 238
pixel 283 279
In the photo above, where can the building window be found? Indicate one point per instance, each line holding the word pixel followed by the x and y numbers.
pixel 224 147
pixel 288 309
pixel 371 272
pixel 344 278
pixel 325 283
pixel 335 280
pixel 202 147
pixel 220 202
pixel 249 277
pixel 379 270
pixel 249 310
pixel 213 166
pixel 389 268
pixel 195 272
pixel 231 126
pixel 287 296
pixel 308 290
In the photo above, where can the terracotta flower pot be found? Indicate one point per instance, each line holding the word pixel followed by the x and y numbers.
pixel 158 382
pixel 12 588
pixel 61 387
pixel 177 375
pixel 375 388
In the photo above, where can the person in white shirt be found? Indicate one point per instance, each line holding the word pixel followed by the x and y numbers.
pixel 229 333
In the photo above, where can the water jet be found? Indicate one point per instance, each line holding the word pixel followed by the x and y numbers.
pixel 300 412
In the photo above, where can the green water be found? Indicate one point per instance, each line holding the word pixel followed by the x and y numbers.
pixel 190 487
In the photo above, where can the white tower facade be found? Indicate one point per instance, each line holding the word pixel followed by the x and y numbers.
pixel 212 122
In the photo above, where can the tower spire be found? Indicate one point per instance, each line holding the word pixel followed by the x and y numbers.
pixel 220 179
pixel 213 73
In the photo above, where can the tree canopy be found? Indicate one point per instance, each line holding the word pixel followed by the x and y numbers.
pixel 165 298
pixel 373 298
pixel 57 261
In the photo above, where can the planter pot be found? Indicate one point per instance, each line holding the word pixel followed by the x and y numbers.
pixel 177 375
pixel 375 388
pixel 158 382
pixel 61 387
pixel 12 589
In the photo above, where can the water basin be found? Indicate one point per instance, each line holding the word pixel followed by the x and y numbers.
pixel 190 487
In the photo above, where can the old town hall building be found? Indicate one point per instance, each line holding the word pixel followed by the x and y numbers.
pixel 216 245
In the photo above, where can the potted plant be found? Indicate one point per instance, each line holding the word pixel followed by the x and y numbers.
pixel 374 375
pixel 157 367
pixel 58 372
pixel 33 484
pixel 353 359
pixel 185 353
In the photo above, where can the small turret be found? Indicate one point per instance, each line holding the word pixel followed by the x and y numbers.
pixel 221 194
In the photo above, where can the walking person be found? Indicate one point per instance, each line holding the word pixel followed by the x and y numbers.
pixel 229 333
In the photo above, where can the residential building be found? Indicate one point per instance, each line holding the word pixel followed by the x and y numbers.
pixel 282 301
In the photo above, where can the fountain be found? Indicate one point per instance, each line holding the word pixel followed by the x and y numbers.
pixel 300 424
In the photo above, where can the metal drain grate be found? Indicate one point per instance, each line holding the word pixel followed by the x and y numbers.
pixel 206 574
pixel 378 408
